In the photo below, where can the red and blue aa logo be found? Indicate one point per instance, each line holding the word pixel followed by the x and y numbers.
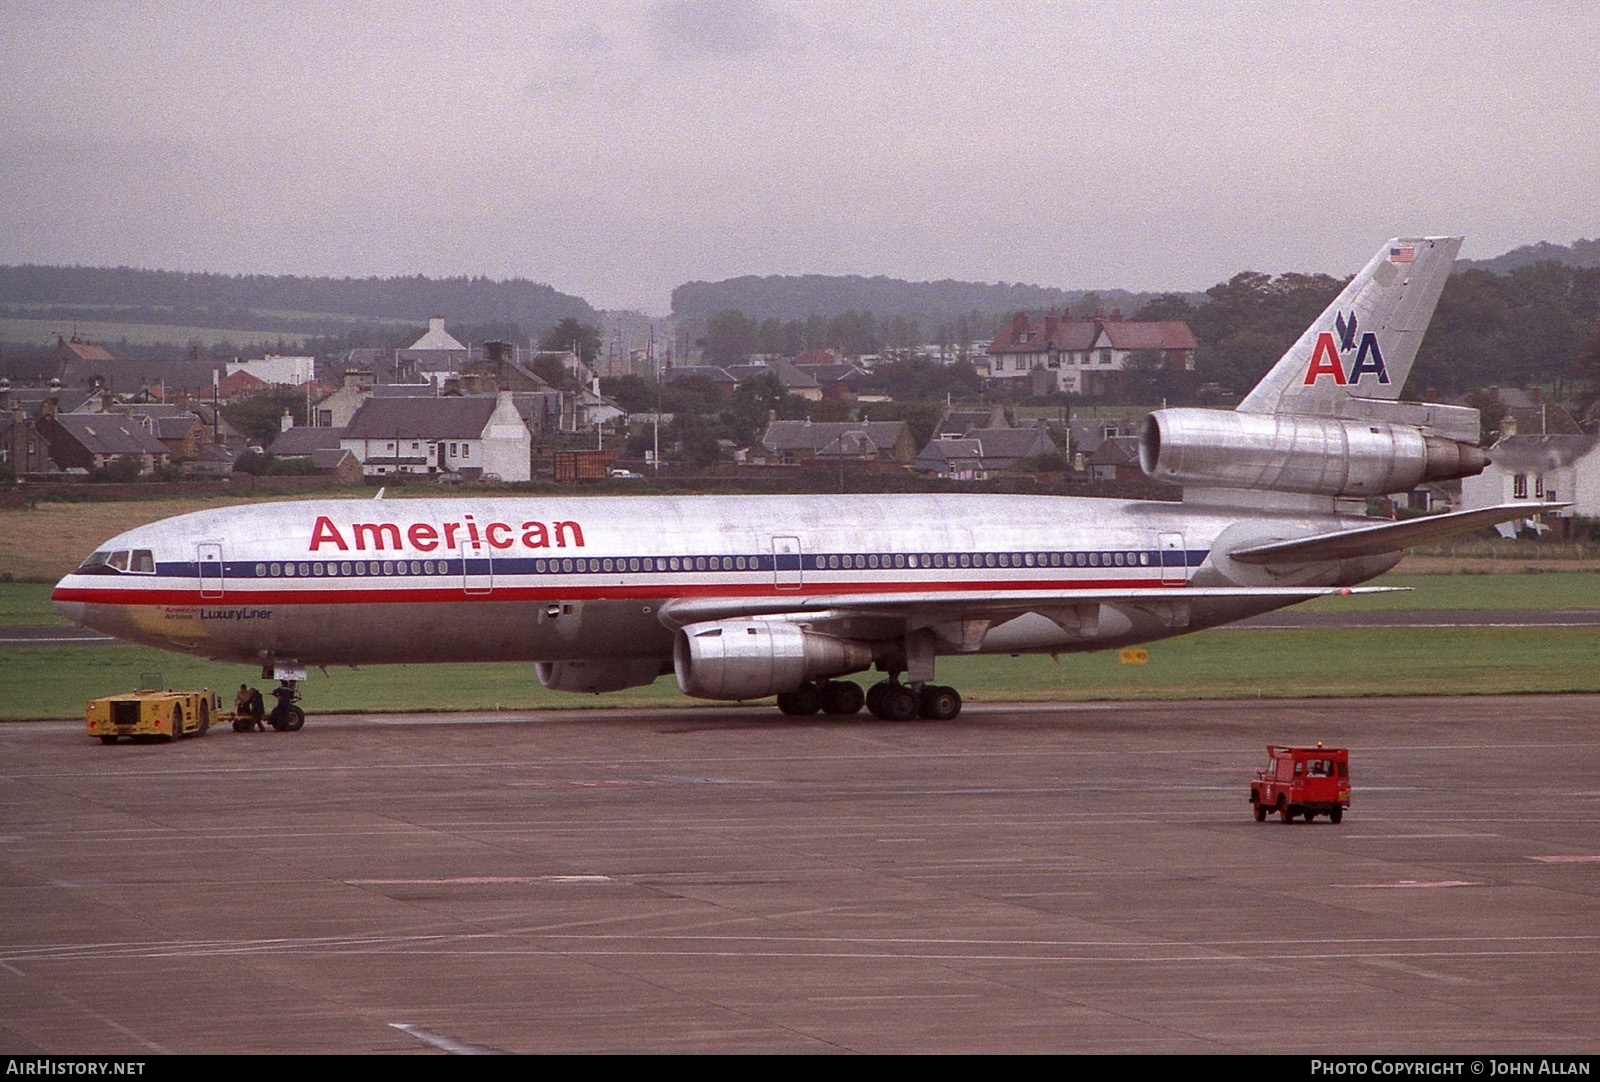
pixel 1326 357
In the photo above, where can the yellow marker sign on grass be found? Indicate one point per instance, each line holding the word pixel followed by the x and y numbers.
pixel 1133 655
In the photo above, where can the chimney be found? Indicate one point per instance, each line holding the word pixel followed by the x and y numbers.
pixel 435 324
pixel 286 422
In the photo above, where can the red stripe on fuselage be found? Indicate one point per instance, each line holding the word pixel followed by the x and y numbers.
pixel 410 595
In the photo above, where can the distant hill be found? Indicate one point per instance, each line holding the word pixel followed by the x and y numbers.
pixel 289 301
pixel 1580 253
pixel 798 297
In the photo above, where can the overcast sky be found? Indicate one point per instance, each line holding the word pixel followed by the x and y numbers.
pixel 616 149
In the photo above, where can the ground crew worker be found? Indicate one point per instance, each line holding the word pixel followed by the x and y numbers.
pixel 248 704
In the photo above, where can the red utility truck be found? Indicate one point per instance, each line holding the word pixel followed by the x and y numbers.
pixel 1302 781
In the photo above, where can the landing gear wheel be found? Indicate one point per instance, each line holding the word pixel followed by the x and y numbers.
pixel 288 718
pixel 1283 811
pixel 875 698
pixel 842 697
pixel 939 703
pixel 897 703
pixel 803 701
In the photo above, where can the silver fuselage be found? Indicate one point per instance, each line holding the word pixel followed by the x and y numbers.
pixel 354 582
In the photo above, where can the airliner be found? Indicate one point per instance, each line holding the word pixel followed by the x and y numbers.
pixel 746 597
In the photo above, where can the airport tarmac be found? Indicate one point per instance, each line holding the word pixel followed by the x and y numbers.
pixel 1028 878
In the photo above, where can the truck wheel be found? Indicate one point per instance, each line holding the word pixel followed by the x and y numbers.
pixel 1336 815
pixel 108 740
pixel 205 718
pixel 177 723
pixel 1260 809
pixel 1283 811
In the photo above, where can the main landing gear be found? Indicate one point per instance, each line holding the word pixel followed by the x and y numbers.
pixel 888 699
pixel 286 717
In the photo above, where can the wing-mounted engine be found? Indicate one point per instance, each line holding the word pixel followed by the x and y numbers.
pixel 1287 452
pixel 596 677
pixel 749 659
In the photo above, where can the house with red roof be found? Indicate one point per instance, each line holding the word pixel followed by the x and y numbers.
pixel 1083 356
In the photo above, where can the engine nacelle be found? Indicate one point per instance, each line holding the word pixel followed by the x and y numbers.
pixel 596 676
pixel 1283 452
pixel 749 659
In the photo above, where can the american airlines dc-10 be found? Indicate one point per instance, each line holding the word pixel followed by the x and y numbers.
pixel 746 597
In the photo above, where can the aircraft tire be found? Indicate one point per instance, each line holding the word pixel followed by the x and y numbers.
pixel 803 701
pixel 875 698
pixel 899 703
pixel 842 698
pixel 939 703
pixel 288 718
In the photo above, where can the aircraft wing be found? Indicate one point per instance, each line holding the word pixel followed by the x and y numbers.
pixel 1385 536
pixel 929 607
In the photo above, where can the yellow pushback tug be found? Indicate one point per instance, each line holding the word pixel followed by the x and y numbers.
pixel 152 712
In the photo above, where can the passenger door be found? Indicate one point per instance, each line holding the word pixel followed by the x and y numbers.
pixel 208 555
pixel 786 563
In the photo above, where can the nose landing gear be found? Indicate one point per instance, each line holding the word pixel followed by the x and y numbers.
pixel 286 717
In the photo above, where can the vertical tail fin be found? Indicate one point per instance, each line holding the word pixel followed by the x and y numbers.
pixel 1364 344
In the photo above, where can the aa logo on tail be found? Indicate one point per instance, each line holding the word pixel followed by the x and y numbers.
pixel 1326 360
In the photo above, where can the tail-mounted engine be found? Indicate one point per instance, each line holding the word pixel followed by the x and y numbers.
pixel 1281 452
pixel 749 659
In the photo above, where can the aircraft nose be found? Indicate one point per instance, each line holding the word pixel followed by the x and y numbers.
pixel 72 610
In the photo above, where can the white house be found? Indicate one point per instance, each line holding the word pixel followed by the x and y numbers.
pixel 477 437
pixel 278 369
pixel 1540 469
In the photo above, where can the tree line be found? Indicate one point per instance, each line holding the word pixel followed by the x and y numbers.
pixel 227 298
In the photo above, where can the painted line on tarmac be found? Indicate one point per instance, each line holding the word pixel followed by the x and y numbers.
pixel 480 880
pixel 1575 858
pixel 1408 884
pixel 1226 951
pixel 444 1044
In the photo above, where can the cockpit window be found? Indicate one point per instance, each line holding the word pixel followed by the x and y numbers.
pixel 136 561
pixel 96 565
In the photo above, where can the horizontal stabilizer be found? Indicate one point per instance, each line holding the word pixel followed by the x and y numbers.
pixel 1384 537
pixel 998 604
